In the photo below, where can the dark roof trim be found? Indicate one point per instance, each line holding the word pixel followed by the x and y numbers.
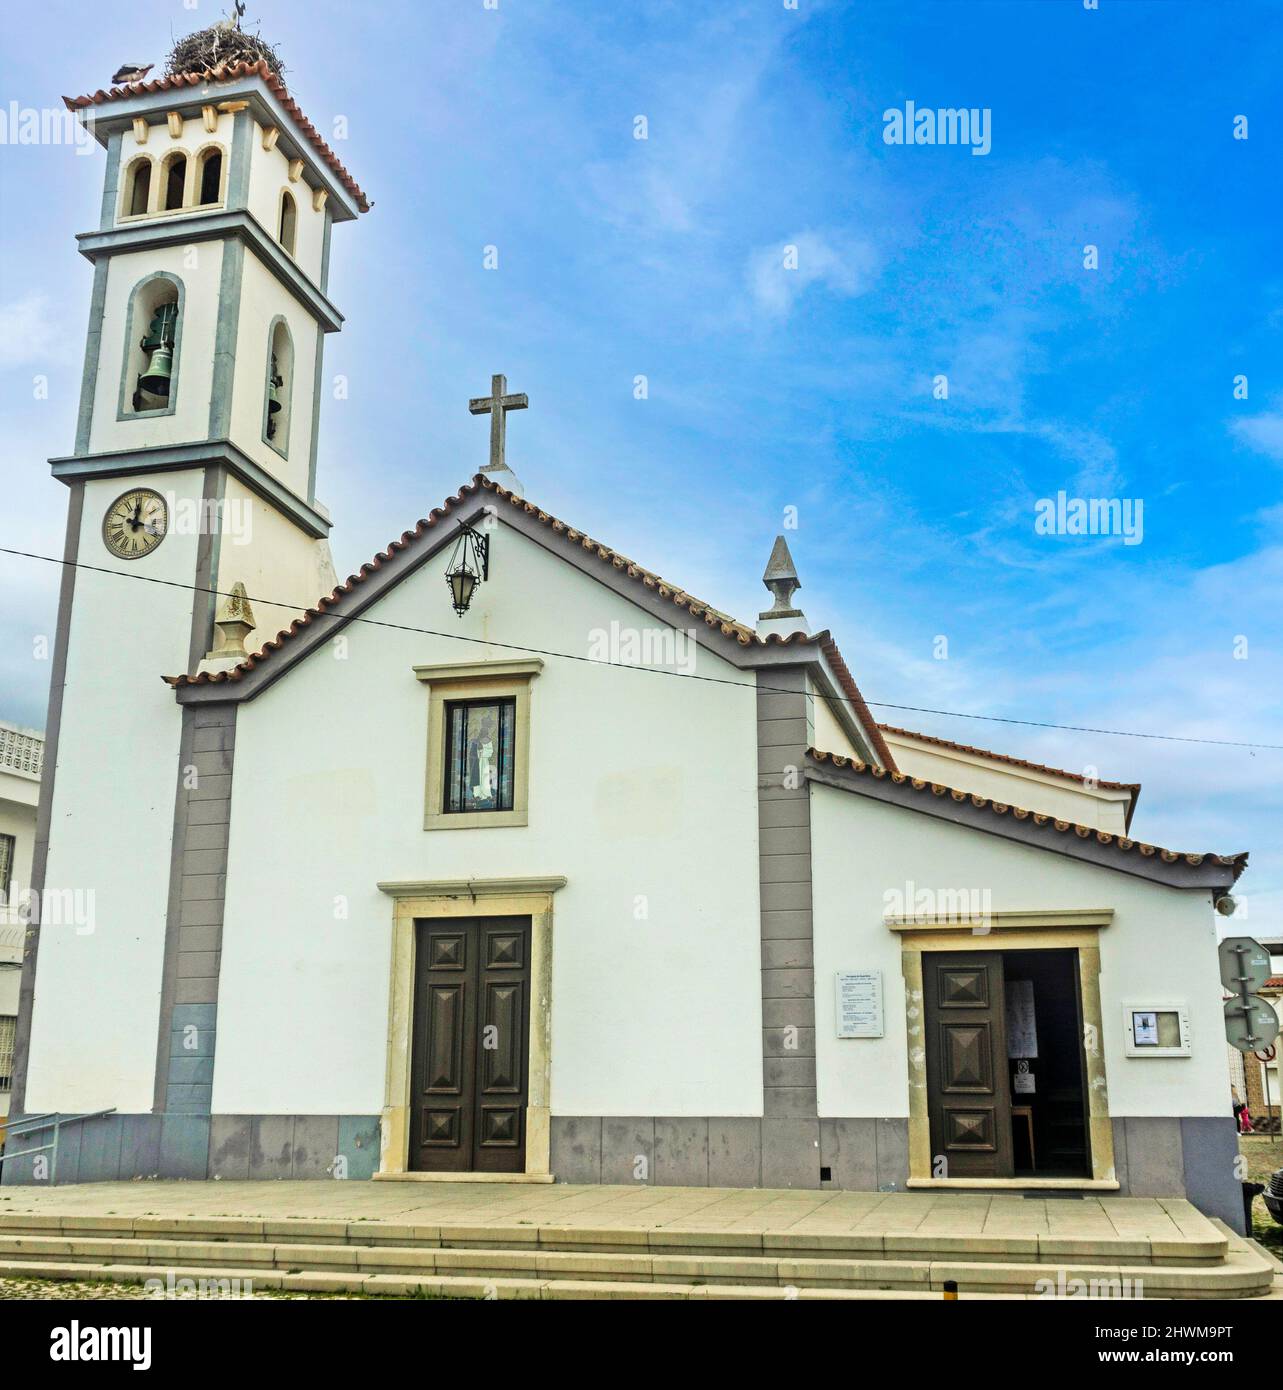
pixel 273 104
pixel 1132 787
pixel 409 553
pixel 739 645
pixel 1081 842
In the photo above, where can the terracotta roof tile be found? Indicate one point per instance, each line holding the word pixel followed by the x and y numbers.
pixel 229 72
pixel 696 608
pixel 852 692
pixel 1238 862
pixel 1133 787
pixel 572 536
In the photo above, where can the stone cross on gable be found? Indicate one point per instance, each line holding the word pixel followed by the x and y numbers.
pixel 497 405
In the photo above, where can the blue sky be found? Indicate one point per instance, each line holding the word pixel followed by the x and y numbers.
pixel 809 388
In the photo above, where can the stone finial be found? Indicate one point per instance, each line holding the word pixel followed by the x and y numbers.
pixel 782 581
pixel 234 623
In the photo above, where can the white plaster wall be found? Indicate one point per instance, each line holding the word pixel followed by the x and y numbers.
pixel 274 559
pixel 1161 946
pixel 642 790
pixel 263 297
pixel 1102 809
pixel 268 175
pixel 190 420
pixel 827 732
pixel 159 144
pixel 98 981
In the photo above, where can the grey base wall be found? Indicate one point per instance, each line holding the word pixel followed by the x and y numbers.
pixel 1185 1156
pixel 732 1151
pixel 1192 1157
pixel 247 1147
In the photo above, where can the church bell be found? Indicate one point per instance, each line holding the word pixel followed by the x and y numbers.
pixel 159 347
pixel 274 382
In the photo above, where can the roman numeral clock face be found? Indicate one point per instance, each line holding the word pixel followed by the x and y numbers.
pixel 135 524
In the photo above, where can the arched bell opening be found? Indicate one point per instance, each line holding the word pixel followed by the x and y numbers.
pixel 279 395
pixel 154 328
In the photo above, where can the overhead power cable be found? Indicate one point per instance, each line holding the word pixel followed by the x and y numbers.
pixel 649 670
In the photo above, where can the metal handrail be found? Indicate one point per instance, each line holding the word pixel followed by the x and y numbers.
pixel 32 1122
pixel 51 1120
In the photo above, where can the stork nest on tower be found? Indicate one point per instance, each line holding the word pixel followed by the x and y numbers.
pixel 221 44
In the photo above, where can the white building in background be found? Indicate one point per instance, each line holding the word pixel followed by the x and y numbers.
pixel 550 870
pixel 21 763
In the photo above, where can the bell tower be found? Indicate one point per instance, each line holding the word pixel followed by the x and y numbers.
pixel 194 467
pixel 208 318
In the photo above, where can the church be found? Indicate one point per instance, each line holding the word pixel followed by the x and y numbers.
pixel 356 902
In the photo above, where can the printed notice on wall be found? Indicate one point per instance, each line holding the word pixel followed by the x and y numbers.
pixel 859 1003
pixel 1022 1024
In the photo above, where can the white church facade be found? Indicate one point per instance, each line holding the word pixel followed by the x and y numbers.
pixel 507 856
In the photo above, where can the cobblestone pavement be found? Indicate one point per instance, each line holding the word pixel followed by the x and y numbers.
pixel 26 1290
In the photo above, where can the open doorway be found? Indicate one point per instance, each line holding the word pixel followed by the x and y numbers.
pixel 1045 1064
pixel 1005 1066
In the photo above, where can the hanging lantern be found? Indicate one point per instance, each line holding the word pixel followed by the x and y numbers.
pixel 469 566
pixel 159 347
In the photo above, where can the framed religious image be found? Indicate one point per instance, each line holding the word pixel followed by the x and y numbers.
pixel 479 755
pixel 478 743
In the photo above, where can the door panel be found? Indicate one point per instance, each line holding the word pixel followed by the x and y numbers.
pixel 967 1092
pixel 468 1075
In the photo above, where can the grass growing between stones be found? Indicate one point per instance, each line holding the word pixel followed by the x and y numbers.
pixel 74 1290
pixel 1263 1157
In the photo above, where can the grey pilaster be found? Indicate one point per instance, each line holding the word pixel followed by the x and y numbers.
pixel 314 442
pixel 238 164
pixel 229 312
pixel 111 181
pixel 208 545
pixel 93 351
pixel 194 923
pixel 790 1125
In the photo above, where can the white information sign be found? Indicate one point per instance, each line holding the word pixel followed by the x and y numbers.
pixel 1022 1023
pixel 859 1001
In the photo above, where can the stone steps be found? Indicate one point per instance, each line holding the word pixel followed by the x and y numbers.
pixel 1200 1243
pixel 474 1261
pixel 443 1286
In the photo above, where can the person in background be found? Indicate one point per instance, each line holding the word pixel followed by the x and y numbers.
pixel 1241 1114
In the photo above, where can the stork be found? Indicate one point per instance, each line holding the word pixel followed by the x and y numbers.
pixel 131 72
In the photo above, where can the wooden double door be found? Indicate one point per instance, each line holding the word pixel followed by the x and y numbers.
pixel 470 1061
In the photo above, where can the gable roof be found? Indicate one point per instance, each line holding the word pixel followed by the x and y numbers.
pixel 1008 758
pixel 230 72
pixel 1030 827
pixel 1132 788
pixel 342 604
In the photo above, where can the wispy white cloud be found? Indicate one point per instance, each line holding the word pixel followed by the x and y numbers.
pixel 779 275
pixel 1263 433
